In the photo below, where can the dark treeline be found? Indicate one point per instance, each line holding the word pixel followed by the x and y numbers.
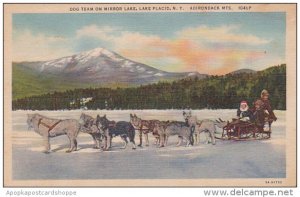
pixel 214 92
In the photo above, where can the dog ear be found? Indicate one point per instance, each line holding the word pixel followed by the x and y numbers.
pixel 130 115
pixel 98 116
pixel 183 113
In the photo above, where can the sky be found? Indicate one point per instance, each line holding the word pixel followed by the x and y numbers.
pixel 211 43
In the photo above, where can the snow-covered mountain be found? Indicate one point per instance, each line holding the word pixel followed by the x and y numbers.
pixel 103 66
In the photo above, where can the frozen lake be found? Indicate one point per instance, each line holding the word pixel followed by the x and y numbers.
pixel 227 159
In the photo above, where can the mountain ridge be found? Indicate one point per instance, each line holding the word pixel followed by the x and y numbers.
pixel 94 68
pixel 102 66
pixel 243 70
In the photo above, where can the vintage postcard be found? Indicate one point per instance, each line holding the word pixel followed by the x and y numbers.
pixel 188 95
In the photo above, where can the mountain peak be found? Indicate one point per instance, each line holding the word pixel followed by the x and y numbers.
pixel 81 58
pixel 97 52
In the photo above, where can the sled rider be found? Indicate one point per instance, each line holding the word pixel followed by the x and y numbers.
pixel 266 106
pixel 243 114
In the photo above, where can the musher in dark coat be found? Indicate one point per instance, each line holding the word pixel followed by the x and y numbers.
pixel 264 97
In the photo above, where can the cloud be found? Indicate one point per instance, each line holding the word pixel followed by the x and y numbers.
pixel 192 49
pixel 120 39
pixel 94 31
pixel 40 47
pixel 221 34
pixel 213 50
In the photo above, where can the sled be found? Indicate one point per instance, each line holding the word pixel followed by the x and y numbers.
pixel 247 131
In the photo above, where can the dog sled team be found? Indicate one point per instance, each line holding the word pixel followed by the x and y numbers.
pixel 104 130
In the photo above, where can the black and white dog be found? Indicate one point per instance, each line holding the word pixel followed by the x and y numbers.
pixel 110 129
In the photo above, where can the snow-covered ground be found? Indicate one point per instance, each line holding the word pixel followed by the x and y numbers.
pixel 227 159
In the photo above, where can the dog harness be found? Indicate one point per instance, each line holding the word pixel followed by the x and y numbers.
pixel 48 126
